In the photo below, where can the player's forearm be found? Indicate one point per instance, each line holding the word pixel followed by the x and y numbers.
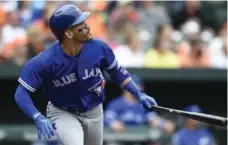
pixel 131 87
pixel 122 77
pixel 125 82
pixel 22 97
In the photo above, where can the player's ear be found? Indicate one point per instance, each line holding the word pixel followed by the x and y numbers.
pixel 69 34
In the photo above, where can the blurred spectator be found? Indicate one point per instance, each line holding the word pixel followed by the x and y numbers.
pixel 25 14
pixel 193 133
pixel 97 20
pixel 130 54
pixel 3 14
pixel 37 9
pixel 165 31
pixel 12 35
pixel 110 39
pixel 191 29
pixel 195 55
pixel 19 55
pixel 42 24
pixel 18 58
pixel 151 16
pixel 118 117
pixel 9 6
pixel 12 30
pixel 194 9
pixel 111 21
pixel 161 55
pixel 218 48
pixel 35 41
pixel 124 15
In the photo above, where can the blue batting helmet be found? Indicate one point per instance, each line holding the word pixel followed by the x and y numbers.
pixel 65 17
pixel 193 108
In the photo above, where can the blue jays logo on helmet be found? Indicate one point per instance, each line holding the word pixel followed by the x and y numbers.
pixel 193 108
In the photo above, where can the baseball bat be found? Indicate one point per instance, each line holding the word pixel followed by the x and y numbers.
pixel 202 117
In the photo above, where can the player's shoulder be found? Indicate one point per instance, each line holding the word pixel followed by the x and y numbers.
pixel 43 58
pixel 97 47
pixel 204 131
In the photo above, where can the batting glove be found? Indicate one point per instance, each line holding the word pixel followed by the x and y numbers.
pixel 147 101
pixel 44 127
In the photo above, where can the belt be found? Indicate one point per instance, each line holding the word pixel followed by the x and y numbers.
pixel 73 110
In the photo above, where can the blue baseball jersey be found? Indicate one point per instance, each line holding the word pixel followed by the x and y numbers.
pixel 199 136
pixel 128 113
pixel 76 82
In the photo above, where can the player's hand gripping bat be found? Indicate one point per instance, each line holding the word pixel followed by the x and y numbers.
pixel 206 118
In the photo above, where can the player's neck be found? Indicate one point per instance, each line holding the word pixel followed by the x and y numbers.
pixel 71 48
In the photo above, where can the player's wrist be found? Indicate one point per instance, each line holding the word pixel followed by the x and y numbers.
pixel 36 115
pixel 133 89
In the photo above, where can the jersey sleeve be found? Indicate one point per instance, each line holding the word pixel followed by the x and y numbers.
pixel 109 61
pixel 32 75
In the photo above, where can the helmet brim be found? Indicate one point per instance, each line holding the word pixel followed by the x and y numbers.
pixel 82 18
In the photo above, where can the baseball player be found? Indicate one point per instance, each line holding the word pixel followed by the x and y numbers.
pixel 71 73
pixel 193 133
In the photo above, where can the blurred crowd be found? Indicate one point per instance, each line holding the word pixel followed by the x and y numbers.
pixel 151 34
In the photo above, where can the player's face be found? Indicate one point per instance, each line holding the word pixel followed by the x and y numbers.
pixel 81 32
pixel 192 122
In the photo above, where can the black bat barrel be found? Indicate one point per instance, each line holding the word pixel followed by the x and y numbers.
pixel 206 118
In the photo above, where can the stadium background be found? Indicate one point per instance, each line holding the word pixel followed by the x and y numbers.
pixel 179 49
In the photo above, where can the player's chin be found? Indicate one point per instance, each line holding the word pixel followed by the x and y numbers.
pixel 89 37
